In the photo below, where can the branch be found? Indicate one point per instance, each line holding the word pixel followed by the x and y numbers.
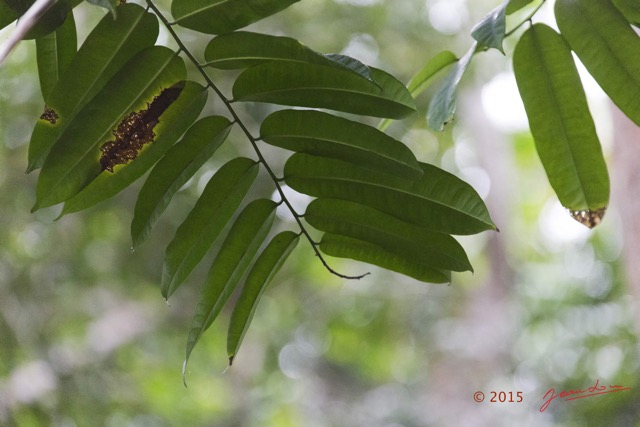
pixel 25 23
pixel 250 137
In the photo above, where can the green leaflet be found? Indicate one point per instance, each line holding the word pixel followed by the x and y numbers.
pixel 174 170
pixel 260 276
pixel 73 162
pixel 630 9
pixel 217 203
pixel 322 134
pixel 54 53
pixel 53 18
pixel 313 85
pixel 174 122
pixel 423 78
pixel 243 49
pixel 117 41
pixel 516 5
pixel 342 217
pixel 236 253
pixel 359 250
pixel 607 46
pixel 491 30
pixel 224 16
pixel 438 201
pixel 443 104
pixel 559 118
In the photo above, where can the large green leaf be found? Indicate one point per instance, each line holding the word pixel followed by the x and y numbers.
pixel 313 85
pixel 443 104
pixel 439 201
pixel 243 49
pixel 54 52
pixel 236 253
pixel 359 250
pixel 342 217
pixel 107 48
pixel 224 16
pixel 559 118
pixel 175 121
pixel 73 161
pixel 322 134
pixel 491 30
pixel 607 46
pixel 217 203
pixel 110 5
pixel 630 9
pixel 174 170
pixel 262 273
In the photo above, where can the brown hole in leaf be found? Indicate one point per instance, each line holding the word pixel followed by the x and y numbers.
pixel 587 217
pixel 50 115
pixel 136 129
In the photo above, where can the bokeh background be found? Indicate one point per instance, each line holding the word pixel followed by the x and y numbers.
pixel 86 339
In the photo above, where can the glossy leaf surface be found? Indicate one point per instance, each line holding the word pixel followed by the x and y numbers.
pixel 438 201
pixel 224 16
pixel 236 253
pixel 350 219
pixel 559 118
pixel 175 121
pixel 260 276
pixel 443 104
pixel 174 170
pixel 312 85
pixel 117 41
pixel 359 250
pixel 491 30
pixel 322 134
pixel 217 203
pixel 73 162
pixel 607 46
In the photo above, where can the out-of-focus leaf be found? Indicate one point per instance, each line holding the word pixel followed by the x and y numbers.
pixel 559 118
pixel 516 5
pixel 443 104
pixel 54 52
pixel 242 49
pixel 262 273
pixel 224 16
pixel 236 253
pixel 322 134
pixel 175 121
pixel 341 217
pixel 607 46
pixel 107 48
pixel 491 30
pixel 423 78
pixel 110 5
pixel 73 162
pixel 359 250
pixel 217 203
pixel 174 170
pixel 630 9
pixel 438 201
pixel 312 85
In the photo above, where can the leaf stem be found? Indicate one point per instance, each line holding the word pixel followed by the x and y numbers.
pixel 252 140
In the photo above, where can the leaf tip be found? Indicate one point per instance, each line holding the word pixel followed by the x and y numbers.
pixel 184 373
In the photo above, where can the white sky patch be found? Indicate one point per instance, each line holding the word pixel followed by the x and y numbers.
pixel 502 104
pixel 447 16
